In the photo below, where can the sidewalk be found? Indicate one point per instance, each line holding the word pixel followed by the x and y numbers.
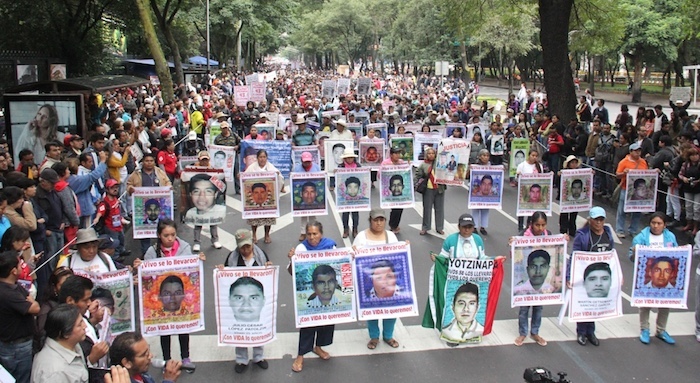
pixel 648 100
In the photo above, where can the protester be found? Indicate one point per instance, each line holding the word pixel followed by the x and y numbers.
pixel 377 234
pixel 349 162
pixel 312 339
pixel 263 165
pixel 434 195
pixel 657 236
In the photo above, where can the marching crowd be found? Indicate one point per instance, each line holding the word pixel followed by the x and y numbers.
pixel 64 198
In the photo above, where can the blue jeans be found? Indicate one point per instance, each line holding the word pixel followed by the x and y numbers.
pixel 388 324
pixel 52 244
pixel 534 323
pixel 620 220
pixel 17 359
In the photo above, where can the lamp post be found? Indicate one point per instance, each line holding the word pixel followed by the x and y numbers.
pixel 208 46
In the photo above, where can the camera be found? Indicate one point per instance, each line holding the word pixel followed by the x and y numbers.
pixel 541 374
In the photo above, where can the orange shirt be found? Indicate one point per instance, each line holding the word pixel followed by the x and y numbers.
pixel 628 163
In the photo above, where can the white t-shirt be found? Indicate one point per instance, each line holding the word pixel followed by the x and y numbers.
pixel 527 168
pixel 656 240
pixel 361 239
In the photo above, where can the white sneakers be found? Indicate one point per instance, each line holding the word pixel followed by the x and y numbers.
pixel 217 245
pixel 196 248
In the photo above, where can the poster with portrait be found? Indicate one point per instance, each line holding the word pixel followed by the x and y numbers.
pixel 538 272
pixel 334 115
pixel 223 157
pixel 422 141
pixel 641 191
pixel 328 89
pixel 452 161
pixel 380 131
pixel 396 186
pixel 285 123
pixel 403 142
pixel 360 117
pixel 450 128
pixel 475 128
pixel 260 194
pixel 266 131
pixel 245 302
pixel 57 72
pixel 343 86
pixel 576 190
pixel 661 277
pixel 117 296
pixel 257 91
pixel 298 150
pixel 171 294
pixel 371 153
pixel 27 74
pixel 150 205
pixel 466 300
pixel 596 291
pixel 279 153
pixel 323 288
pixel 519 148
pixel 353 189
pixel 486 191
pixel 185 161
pixel 412 128
pixel 535 194
pixel 356 129
pixel 384 281
pixel 497 145
pixel 206 191
pixel 308 194
pixel 333 153
pixel 33 120
pixel 241 94
pixel 364 86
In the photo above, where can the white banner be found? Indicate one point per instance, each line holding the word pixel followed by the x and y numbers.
pixel 539 274
pixel 596 286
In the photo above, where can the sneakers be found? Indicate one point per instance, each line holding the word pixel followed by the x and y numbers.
pixel 217 245
pixel 240 367
pixel 196 248
pixel 621 235
pixel 663 335
pixel 187 365
pixel 697 337
pixel 644 336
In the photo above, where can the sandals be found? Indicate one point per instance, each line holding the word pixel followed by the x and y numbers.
pixel 423 232
pixel 321 353
pixel 538 339
pixel 519 340
pixel 268 239
pixel 297 366
pixel 392 342
pixel 372 344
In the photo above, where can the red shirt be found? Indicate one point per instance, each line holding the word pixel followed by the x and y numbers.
pixel 113 218
pixel 168 160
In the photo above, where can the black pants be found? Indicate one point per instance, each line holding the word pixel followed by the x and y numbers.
pixel 320 335
pixel 184 346
pixel 585 328
pixel 395 218
pixel 567 223
pixel 661 197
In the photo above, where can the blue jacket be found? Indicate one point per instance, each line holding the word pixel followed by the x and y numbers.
pixel 299 168
pixel 81 187
pixel 642 239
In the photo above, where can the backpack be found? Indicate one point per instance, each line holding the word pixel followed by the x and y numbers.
pixel 604 150
pixel 100 225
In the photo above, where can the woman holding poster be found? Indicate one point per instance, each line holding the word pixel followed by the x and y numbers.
pixel 262 165
pixel 662 269
pixel 168 244
pixel 531 166
pixel 594 237
pixel 567 221
pixel 434 195
pixel 311 339
pixel 378 235
pixel 481 216
pixel 352 188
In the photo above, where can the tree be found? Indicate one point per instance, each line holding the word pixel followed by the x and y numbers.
pixel 554 38
pixel 165 12
pixel 652 35
pixel 162 69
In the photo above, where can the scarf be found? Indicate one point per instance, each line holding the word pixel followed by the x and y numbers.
pixel 324 244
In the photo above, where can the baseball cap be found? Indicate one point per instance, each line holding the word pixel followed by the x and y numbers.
pixel 75 137
pixel 49 175
pixel 111 182
pixel 596 212
pixel 243 237
pixel 377 213
pixel 203 154
pixel 165 132
pixel 635 146
pixel 306 156
pixel 466 220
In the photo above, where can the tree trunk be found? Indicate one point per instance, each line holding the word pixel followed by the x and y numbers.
pixel 554 38
pixel 177 59
pixel 166 82
pixel 239 46
pixel 591 74
pixel 465 61
pixel 637 88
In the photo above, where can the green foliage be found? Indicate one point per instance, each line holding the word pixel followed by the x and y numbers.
pixel 652 29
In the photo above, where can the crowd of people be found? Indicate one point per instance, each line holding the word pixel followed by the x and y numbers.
pixel 69 210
